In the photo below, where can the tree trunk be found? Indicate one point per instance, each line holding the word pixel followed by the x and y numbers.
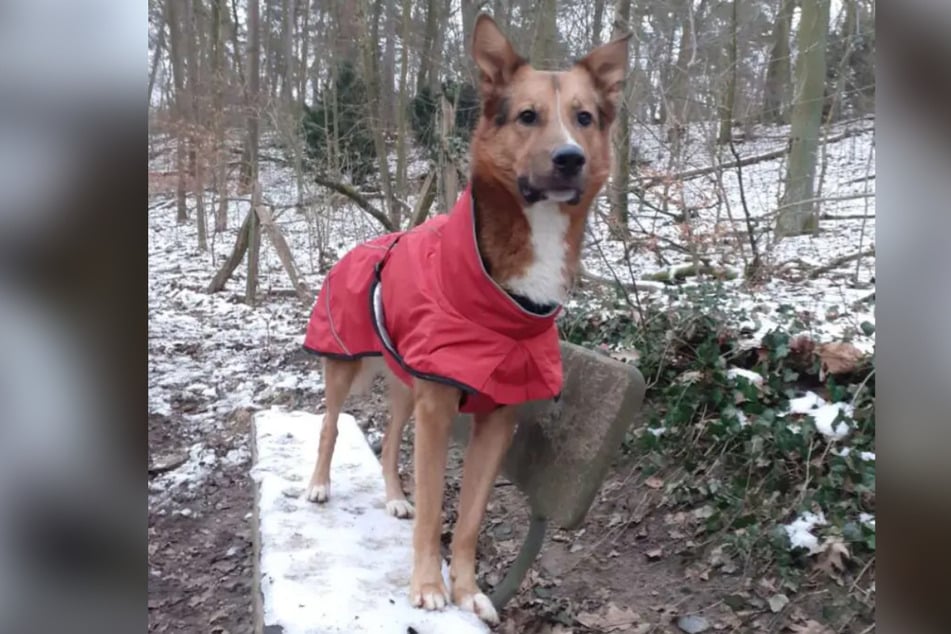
pixel 303 72
pixel 250 172
pixel 426 51
pixel 596 23
pixel 237 254
pixel 728 101
pixel 218 10
pixel 388 68
pixel 174 21
pixel 157 56
pixel 253 97
pixel 545 42
pixel 370 55
pixel 196 154
pixel 442 27
pixel 450 177
pixel 470 9
pixel 778 80
pixel 621 166
pixel 680 95
pixel 402 114
pixel 848 36
pixel 797 215
pixel 287 32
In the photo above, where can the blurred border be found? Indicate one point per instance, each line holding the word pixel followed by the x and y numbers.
pixel 73 187
pixel 913 281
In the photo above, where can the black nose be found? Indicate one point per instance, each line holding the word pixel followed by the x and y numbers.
pixel 568 159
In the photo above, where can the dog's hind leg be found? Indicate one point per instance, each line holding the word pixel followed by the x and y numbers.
pixel 339 376
pixel 490 438
pixel 401 407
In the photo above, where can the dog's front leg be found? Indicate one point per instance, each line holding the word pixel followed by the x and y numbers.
pixel 435 407
pixel 490 438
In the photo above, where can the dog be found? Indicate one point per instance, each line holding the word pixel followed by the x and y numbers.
pixel 459 312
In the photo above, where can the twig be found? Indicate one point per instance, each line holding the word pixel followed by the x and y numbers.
pixel 354 195
pixel 836 263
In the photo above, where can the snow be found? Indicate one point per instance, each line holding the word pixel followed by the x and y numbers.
pixel 800 531
pixel 824 415
pixel 339 567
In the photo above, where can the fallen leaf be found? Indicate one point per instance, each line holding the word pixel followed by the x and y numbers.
pixel 693 624
pixel 831 555
pixel 777 602
pixel 839 357
pixel 611 619
pixel 809 627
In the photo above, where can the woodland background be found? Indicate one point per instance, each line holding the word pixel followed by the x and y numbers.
pixel 731 257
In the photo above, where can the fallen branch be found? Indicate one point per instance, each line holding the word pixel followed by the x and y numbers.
pixel 283 253
pixel 425 201
pixel 836 263
pixel 651 181
pixel 350 192
pixel 237 254
pixel 678 273
pixel 640 285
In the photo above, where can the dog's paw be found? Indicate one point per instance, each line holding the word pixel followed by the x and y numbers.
pixel 429 596
pixel 318 493
pixel 400 508
pixel 481 606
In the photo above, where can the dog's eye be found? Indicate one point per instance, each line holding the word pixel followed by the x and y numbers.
pixel 528 117
pixel 584 118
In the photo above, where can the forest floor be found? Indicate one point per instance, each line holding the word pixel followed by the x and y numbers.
pixel 646 559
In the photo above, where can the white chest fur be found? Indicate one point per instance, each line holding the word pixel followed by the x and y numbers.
pixel 544 281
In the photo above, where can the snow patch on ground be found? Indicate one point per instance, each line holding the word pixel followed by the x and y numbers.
pixel 343 566
pixel 800 531
pixel 824 415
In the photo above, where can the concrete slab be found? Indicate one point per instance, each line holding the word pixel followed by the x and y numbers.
pixel 562 450
pixel 340 567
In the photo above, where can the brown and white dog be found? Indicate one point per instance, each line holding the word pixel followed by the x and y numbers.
pixel 540 155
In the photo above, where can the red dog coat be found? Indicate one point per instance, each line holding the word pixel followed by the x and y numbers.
pixel 423 299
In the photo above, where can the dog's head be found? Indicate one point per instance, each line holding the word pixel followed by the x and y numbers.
pixel 545 135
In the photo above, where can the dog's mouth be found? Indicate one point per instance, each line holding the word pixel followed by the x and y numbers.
pixel 559 193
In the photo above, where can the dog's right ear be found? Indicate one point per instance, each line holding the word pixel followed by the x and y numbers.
pixel 494 55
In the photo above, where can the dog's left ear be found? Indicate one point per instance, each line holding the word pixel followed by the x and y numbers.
pixel 607 65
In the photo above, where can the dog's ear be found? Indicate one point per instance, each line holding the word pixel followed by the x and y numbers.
pixel 493 54
pixel 607 65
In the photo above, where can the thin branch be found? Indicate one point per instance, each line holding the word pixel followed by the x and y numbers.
pixel 836 263
pixel 350 192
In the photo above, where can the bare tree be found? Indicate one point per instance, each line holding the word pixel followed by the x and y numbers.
pixel 596 20
pixel 728 101
pixel 402 134
pixel 778 80
pixel 218 11
pixel 796 213
pixel 159 50
pixel 621 167
pixel 174 19
pixel 195 154
pixel 427 51
pixel 371 68
pixel 545 42
pixel 253 106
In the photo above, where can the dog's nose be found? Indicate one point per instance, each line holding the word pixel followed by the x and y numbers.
pixel 568 159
